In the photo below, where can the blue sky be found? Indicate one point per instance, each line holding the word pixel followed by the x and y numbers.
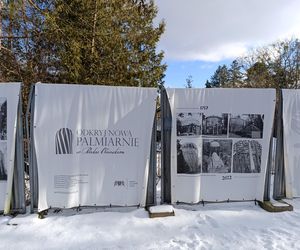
pixel 203 34
pixel 178 71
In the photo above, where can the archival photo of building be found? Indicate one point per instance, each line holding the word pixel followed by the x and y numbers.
pixel 247 156
pixel 189 156
pixel 215 125
pixel 3 157
pixel 3 118
pixel 189 124
pixel 256 150
pixel 246 125
pixel 216 156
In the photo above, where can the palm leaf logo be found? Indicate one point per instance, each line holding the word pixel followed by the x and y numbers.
pixel 64 141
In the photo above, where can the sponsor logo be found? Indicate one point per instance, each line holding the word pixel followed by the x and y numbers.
pixel 64 141
pixel 227 177
pixel 119 184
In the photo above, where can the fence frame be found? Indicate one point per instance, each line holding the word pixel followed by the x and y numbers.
pixel 17 202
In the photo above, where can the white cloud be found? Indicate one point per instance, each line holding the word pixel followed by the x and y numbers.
pixel 213 30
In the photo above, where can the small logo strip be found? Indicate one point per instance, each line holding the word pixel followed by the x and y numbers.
pixel 119 183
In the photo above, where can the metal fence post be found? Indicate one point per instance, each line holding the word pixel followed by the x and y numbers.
pixel 268 171
pixel 166 127
pixel 18 201
pixel 31 150
pixel 279 178
pixel 151 187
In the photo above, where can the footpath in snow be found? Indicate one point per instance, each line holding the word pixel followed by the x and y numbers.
pixel 214 226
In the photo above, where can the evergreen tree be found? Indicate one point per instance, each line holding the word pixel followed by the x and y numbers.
pixel 80 41
pixel 235 74
pixel 208 84
pixel 258 75
pixel 219 79
pixel 106 42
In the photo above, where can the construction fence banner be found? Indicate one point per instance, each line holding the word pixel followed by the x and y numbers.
pixel 92 144
pixel 220 142
pixel 291 141
pixel 9 113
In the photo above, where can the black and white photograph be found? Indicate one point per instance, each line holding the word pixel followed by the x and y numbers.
pixel 3 118
pixel 189 153
pixel 216 156
pixel 3 166
pixel 247 156
pixel 189 124
pixel 215 125
pixel 246 125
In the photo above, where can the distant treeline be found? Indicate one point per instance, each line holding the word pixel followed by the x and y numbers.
pixel 273 66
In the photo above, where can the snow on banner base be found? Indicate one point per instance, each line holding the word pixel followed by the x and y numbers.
pixel 291 135
pixel 9 100
pixel 220 143
pixel 92 144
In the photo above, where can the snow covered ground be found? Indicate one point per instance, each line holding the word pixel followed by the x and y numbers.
pixel 214 226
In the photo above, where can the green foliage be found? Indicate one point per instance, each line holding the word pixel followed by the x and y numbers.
pixel 81 41
pixel 273 66
pixel 258 75
pixel 236 77
pixel 23 50
pixel 106 42
pixel 219 79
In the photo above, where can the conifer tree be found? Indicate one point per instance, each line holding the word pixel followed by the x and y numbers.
pixel 219 79
pixel 111 42
pixel 235 74
pixel 106 42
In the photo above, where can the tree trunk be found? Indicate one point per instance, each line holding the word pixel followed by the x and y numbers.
pixel 94 27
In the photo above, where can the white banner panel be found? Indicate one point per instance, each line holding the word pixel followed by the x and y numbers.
pixel 92 144
pixel 9 100
pixel 291 136
pixel 220 143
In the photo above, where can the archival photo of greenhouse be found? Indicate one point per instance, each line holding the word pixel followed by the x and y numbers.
pixel 189 156
pixel 3 165
pixel 3 118
pixel 247 156
pixel 189 124
pixel 246 125
pixel 216 156
pixel 215 125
